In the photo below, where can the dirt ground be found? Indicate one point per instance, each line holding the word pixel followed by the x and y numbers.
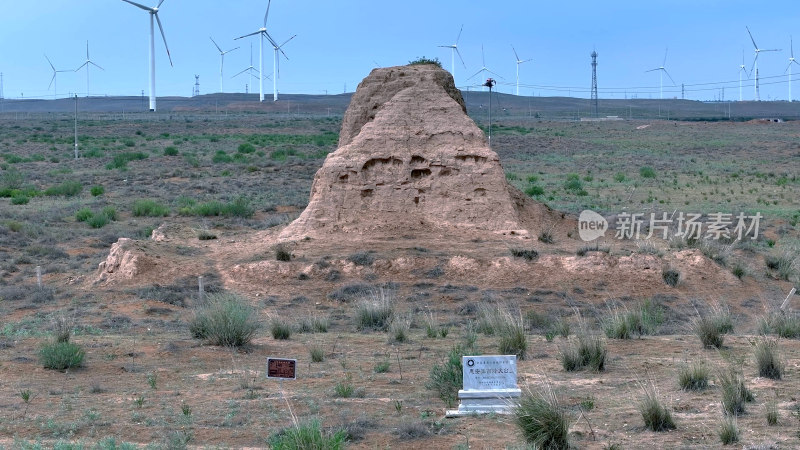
pixel 146 381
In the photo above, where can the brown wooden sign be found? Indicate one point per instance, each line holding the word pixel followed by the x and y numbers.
pixel 282 368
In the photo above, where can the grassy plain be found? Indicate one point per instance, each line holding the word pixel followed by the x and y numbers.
pixel 145 380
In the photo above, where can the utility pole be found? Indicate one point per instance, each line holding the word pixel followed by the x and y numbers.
pixel 594 81
pixel 196 90
pixel 490 83
pixel 682 91
pixel 76 126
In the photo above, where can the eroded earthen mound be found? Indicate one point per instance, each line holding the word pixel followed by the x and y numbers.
pixel 410 158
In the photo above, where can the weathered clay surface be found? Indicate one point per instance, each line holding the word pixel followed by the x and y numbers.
pixel 411 159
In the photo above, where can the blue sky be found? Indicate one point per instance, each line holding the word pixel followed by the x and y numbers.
pixel 339 42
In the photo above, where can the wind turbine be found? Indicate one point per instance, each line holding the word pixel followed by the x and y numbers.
pixel 742 68
pixel 789 68
pixel 484 68
pixel 755 62
pixel 453 51
pixel 262 32
pixel 250 69
pixel 153 15
pixel 221 60
pixel 54 80
pixel 661 74
pixel 519 61
pixel 86 64
pixel 276 67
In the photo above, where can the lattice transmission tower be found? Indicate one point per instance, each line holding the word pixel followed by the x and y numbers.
pixel 196 90
pixel 594 81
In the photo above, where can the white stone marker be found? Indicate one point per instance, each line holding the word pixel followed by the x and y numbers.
pixel 490 385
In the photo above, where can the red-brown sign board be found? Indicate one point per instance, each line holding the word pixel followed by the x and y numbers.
pixel 282 368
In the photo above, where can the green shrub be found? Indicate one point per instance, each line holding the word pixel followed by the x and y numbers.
pixel 534 190
pixel 345 389
pixel 98 221
pixel 279 328
pixel 768 358
pixel 307 436
pixel 225 319
pixel 83 214
pixel 728 430
pixel 65 189
pixel 221 157
pixel 784 324
pixel 282 253
pixel 375 310
pixel 149 208
pixel 317 354
pixel 512 336
pixel 364 259
pixel 544 423
pixel 694 376
pixel 424 60
pixel 656 417
pixel 20 199
pixel 314 324
pixel 120 161
pixel 587 350
pixel 708 332
pixel 734 392
pixel 170 151
pixel 382 367
pixel 110 212
pixel 97 190
pixel 399 328
pixel 448 378
pixel 647 172
pixel 61 355
pixel 246 148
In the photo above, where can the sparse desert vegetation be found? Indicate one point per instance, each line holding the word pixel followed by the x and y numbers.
pixel 379 328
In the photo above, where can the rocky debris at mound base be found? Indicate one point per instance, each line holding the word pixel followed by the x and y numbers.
pixel 410 159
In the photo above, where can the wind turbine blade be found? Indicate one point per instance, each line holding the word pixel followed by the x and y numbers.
pixel 459 33
pixel 269 38
pixel 459 57
pixel 527 60
pixel 161 29
pixel 95 65
pixel 159 4
pixel 51 80
pixel 652 70
pixel 51 64
pixel 246 35
pixel 445 46
pixel 787 68
pixel 146 8
pixel 476 73
pixel 81 66
pixel 267 14
pixel 795 62
pixel 751 37
pixel 284 42
pixel 754 63
pixel 771 50
pixel 670 78
pixel 245 70
pixel 215 44
pixel 228 51
pixel 496 74
pixel 665 57
pixel 515 52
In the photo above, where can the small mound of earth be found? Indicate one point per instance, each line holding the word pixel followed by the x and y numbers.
pixel 410 159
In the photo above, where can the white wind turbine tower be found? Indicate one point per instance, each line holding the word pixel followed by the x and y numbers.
pixel 262 32
pixel 86 64
pixel 484 68
pixel 755 62
pixel 742 68
pixel 153 15
pixel 276 66
pixel 453 51
pixel 250 69
pixel 54 80
pixel 519 61
pixel 222 60
pixel 789 68
pixel 662 71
